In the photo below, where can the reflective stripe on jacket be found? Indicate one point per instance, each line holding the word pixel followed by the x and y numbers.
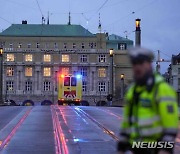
pixel 155 114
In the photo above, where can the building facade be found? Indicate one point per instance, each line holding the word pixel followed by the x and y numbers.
pixel 172 76
pixel 34 55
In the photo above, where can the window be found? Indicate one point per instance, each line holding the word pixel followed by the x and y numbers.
pixel 92 45
pixel 65 45
pixel 47 71
pixel 10 57
pixel 20 45
pixel 28 71
pixel 9 86
pixel 122 46
pixel 84 71
pixel 84 58
pixel 102 58
pixel 28 86
pixel 101 72
pixel 29 45
pixel 65 58
pixel 74 45
pixel 9 71
pixel 73 81
pixel 84 86
pixel 102 86
pixel 55 45
pixel 29 58
pixel 82 46
pixel 67 81
pixel 47 86
pixel 37 45
pixel 47 58
pixel 178 81
pixel 47 45
pixel 178 70
pixel 65 70
pixel 11 45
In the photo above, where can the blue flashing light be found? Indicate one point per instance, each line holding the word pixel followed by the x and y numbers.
pixel 78 76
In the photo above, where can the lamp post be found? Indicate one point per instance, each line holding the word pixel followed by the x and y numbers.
pixel 138 33
pixel 122 86
pixel 111 92
pixel 1 76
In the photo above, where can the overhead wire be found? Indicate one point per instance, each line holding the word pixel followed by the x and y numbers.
pixel 133 12
pixel 5 20
pixel 39 8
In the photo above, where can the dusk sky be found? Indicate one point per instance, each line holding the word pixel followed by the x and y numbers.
pixel 160 18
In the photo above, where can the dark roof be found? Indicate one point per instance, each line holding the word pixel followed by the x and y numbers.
pixel 39 30
pixel 115 38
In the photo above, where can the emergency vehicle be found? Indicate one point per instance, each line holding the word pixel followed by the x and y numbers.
pixel 69 89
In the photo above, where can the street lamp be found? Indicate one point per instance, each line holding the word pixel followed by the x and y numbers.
pixel 111 52
pixel 122 86
pixel 111 92
pixel 1 76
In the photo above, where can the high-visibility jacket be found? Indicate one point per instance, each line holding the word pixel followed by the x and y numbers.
pixel 150 115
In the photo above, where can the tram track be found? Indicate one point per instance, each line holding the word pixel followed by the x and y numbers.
pixel 59 137
pixel 101 126
pixel 13 131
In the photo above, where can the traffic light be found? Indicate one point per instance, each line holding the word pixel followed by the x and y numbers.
pixel 109 97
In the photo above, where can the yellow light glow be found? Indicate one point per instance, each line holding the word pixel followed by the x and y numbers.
pixel 122 76
pixel 137 23
pixel 111 52
pixel 1 51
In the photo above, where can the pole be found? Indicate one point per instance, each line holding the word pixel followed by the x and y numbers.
pixel 158 62
pixel 122 88
pixel 138 33
pixel 111 75
pixel 1 77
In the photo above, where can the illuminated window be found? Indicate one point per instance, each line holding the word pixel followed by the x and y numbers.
pixel 47 86
pixel 47 58
pixel 65 58
pixel 9 71
pixel 65 70
pixel 84 58
pixel 28 71
pixel 74 45
pixel 9 86
pixel 102 58
pixel 47 71
pixel 102 87
pixel 10 57
pixel 84 86
pixel 29 57
pixel 28 86
pixel 101 72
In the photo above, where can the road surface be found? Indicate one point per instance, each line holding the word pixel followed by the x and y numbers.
pixel 60 130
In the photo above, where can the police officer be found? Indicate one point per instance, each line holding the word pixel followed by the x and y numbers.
pixel 151 111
